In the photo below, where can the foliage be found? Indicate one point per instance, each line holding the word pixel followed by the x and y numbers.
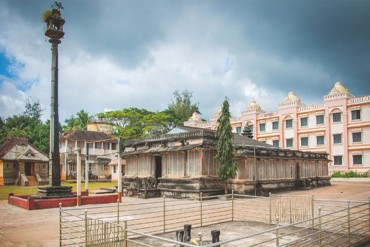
pixel 27 125
pixel 350 174
pixel 77 123
pixel 57 5
pixel 130 123
pixel 33 109
pixel 45 15
pixel 133 123
pixel 227 166
pixel 181 107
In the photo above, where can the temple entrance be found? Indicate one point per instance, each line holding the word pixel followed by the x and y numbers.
pixel 298 172
pixel 158 168
pixel 28 168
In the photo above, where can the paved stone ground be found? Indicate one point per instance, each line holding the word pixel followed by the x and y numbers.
pixel 19 227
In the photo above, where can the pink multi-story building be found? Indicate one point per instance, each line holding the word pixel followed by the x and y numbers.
pixel 340 126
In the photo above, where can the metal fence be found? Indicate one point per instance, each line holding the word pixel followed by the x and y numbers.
pixel 286 221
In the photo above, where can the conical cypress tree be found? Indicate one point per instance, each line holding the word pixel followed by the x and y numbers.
pixel 227 166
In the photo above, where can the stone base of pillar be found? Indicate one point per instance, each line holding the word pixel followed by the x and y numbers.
pixel 54 191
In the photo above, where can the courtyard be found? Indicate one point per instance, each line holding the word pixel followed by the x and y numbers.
pixel 19 227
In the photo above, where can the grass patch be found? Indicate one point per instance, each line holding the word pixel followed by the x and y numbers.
pixel 18 190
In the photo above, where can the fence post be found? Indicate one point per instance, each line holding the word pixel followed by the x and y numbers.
pixel 105 231
pixel 277 231
pixel 313 211
pixel 85 227
pixel 201 209
pixel 290 209
pixel 117 211
pixel 164 214
pixel 369 215
pixel 232 205
pixel 118 218
pixel 125 234
pixel 270 209
pixel 349 222
pixel 320 233
pixel 60 224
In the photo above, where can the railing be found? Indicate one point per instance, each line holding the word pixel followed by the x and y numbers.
pixel 359 100
pixel 24 180
pixel 268 115
pixel 306 221
pixel 337 96
pixel 311 107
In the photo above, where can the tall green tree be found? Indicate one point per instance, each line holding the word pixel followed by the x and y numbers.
pixel 27 125
pixel 182 106
pixel 133 123
pixel 227 166
pixel 78 122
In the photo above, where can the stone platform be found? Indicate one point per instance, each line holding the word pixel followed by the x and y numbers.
pixel 54 191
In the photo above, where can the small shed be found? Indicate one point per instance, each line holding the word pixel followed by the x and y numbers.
pixel 183 164
pixel 22 164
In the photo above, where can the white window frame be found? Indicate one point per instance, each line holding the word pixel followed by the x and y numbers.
pixel 341 141
pixel 337 120
pixel 341 160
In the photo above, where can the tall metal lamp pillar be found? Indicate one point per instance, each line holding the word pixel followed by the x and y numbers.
pixel 54 30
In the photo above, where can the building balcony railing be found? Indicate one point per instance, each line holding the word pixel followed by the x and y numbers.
pixel 337 96
pixel 311 107
pixel 267 115
pixel 92 151
pixel 364 99
pixel 236 120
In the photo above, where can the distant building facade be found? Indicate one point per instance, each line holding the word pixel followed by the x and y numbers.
pixel 98 150
pixel 340 126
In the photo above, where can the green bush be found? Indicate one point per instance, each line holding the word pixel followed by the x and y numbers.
pixel 350 174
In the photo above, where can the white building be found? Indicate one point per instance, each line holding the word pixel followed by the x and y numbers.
pixel 339 126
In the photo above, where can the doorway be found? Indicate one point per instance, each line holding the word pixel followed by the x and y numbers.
pixel 28 168
pixel 158 168
pixel 298 172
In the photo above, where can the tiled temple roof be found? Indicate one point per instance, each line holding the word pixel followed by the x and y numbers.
pixel 85 135
pixel 10 143
pixel 243 145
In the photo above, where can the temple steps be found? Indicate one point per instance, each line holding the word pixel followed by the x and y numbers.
pixel 32 181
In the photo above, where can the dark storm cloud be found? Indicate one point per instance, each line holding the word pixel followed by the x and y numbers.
pixel 125 30
pixel 332 36
pixel 323 34
pixel 217 48
pixel 122 30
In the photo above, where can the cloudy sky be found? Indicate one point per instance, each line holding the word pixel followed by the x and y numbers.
pixel 118 54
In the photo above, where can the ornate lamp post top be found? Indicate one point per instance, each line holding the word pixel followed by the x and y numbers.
pixel 54 23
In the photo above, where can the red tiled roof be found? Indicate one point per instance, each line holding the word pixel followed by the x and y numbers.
pixel 11 142
pixel 85 135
